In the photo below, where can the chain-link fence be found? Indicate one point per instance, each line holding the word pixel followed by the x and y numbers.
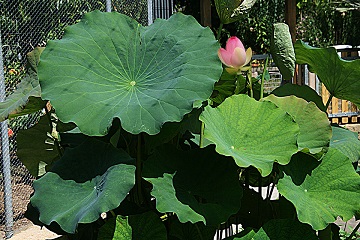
pixel 25 24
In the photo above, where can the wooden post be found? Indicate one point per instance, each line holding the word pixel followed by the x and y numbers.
pixel 205 12
pixel 290 17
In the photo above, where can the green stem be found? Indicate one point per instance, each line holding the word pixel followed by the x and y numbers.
pixel 201 141
pixel 249 76
pixel 219 31
pixel 138 170
pixel 353 232
pixel 198 230
pixel 263 77
pixel 329 101
pixel 56 142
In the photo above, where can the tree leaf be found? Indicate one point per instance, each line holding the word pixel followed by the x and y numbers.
pixel 340 77
pixel 282 229
pixel 185 182
pixel 282 50
pixel 303 91
pixel 346 142
pixel 88 180
pixel 33 58
pixel 238 130
pixel 145 76
pixel 332 190
pixel 315 130
pixel 35 148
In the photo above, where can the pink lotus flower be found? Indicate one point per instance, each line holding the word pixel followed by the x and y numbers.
pixel 234 56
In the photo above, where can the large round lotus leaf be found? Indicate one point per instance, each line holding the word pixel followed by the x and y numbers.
pixel 303 91
pixel 88 180
pixel 109 66
pixel 282 229
pixel 332 190
pixel 346 142
pixel 185 183
pixel 253 133
pixel 315 130
pixel 341 78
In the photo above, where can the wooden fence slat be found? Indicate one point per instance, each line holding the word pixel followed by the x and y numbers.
pixel 335 108
pixel 344 109
pixel 353 109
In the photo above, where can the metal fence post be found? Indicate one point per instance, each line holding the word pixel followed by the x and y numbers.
pixel 108 5
pixel 150 12
pixel 6 158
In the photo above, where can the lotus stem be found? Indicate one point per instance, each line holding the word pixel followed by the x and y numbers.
pixel 201 141
pixel 353 232
pixel 263 77
pixel 329 101
pixel 219 31
pixel 138 171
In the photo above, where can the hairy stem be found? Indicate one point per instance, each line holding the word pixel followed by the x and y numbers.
pixel 249 77
pixel 219 31
pixel 201 141
pixel 56 142
pixel 329 101
pixel 138 171
pixel 263 77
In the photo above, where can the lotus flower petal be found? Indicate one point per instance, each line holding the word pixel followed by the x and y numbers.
pixel 238 57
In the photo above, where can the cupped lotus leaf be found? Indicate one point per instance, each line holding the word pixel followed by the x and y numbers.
pixel 346 142
pixel 282 50
pixel 88 180
pixel 35 148
pixel 253 133
pixel 24 100
pixel 230 10
pixel 332 190
pixel 282 229
pixel 340 77
pixel 109 66
pixel 315 130
pixel 303 91
pixel 182 184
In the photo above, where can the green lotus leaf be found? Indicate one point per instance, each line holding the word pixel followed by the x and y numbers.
pixel 253 133
pixel 315 130
pixel 147 226
pixel 88 180
pixel 230 10
pixel 346 142
pixel 332 190
pixel 182 184
pixel 282 50
pixel 33 58
pixel 303 91
pixel 35 148
pixel 24 100
pixel 116 228
pixel 190 231
pixel 282 229
pixel 145 76
pixel 340 77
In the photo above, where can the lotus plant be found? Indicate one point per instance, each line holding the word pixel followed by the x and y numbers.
pixel 234 56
